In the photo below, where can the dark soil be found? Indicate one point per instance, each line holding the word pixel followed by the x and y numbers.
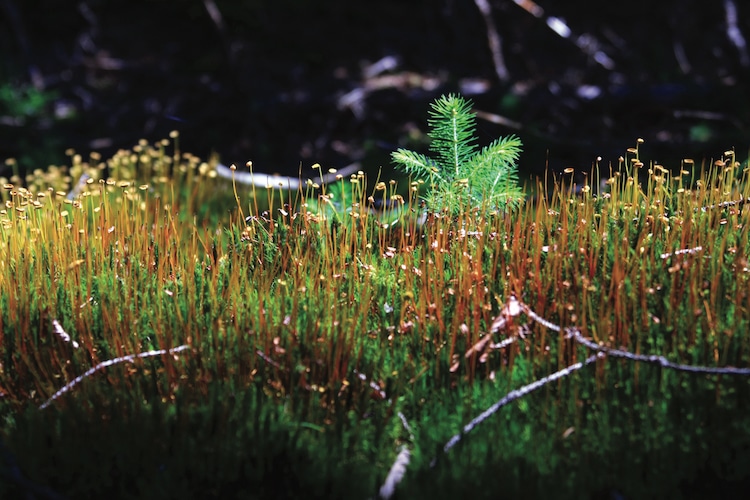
pixel 270 81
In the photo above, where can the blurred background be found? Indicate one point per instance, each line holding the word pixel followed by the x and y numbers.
pixel 290 82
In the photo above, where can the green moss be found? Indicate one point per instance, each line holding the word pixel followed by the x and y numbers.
pixel 306 339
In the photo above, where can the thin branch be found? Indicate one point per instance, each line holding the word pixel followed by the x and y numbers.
pixel 60 331
pixel 588 44
pixel 725 204
pixel 514 307
pixel 653 359
pixel 734 34
pixel 215 14
pixel 262 355
pixel 681 57
pixel 512 396
pixel 281 181
pixel 575 334
pixel 396 473
pixel 398 469
pixel 493 40
pixel 105 364
pixel 499 119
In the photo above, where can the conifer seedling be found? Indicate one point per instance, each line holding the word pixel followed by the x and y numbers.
pixel 459 175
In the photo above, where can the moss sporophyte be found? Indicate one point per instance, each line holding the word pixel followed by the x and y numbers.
pixel 209 339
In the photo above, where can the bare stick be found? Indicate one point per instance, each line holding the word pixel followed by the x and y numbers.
pixel 398 469
pixel 280 181
pixel 514 307
pixel 734 33
pixel 105 364
pixel 576 335
pixel 493 40
pixel 512 396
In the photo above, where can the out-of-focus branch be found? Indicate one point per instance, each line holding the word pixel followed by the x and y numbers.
pixel 493 40
pixel 734 33
pixel 588 44
pixel 215 14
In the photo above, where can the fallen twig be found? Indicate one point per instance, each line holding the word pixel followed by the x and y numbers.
pixel 281 181
pixel 105 364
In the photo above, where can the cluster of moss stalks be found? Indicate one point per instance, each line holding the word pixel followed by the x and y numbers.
pixel 312 340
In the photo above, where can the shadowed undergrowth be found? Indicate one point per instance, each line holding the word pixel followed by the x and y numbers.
pixel 316 321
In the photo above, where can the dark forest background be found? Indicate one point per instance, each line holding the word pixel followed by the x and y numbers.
pixel 285 82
